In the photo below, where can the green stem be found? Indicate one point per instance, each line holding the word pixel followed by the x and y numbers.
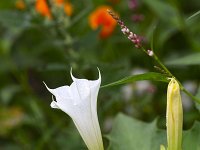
pixel 155 57
pixel 189 94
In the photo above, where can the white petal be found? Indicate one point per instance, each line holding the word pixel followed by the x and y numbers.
pixel 88 130
pixel 94 89
pixel 95 83
pixel 80 90
pixel 63 98
pixel 85 89
pixel 60 92
pixel 74 79
pixel 54 105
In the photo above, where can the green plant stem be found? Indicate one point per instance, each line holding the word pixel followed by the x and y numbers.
pixel 155 57
pixel 189 94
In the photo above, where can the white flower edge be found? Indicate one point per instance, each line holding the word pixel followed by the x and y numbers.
pixel 79 101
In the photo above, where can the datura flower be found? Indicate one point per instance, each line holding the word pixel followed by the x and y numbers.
pixel 174 116
pixel 79 101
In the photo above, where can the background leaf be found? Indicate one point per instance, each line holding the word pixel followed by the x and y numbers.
pixel 191 138
pixel 131 134
pixel 164 11
pixel 193 59
pixel 14 19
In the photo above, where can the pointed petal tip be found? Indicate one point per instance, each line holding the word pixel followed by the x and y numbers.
pixel 73 78
pixel 54 105
pixel 45 85
pixel 50 90
pixel 99 73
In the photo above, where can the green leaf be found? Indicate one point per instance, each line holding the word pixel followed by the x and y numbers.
pixel 164 11
pixel 191 138
pixel 8 92
pixel 7 4
pixel 146 76
pixel 14 20
pixel 193 59
pixel 131 134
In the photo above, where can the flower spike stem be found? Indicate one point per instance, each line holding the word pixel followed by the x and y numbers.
pixel 138 44
pixel 171 75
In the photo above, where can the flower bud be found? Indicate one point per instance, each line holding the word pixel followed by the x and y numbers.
pixel 174 116
pixel 162 147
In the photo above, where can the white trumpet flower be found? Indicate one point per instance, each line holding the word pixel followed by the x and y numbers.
pixel 79 101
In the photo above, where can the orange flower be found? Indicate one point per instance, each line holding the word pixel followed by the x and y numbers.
pixel 100 17
pixel 68 8
pixel 59 2
pixel 20 4
pixel 42 7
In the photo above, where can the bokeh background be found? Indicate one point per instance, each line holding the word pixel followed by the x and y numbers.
pixel 41 40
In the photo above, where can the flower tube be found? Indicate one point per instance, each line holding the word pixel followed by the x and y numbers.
pixel 79 101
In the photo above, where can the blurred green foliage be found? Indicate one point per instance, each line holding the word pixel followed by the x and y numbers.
pixel 35 49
